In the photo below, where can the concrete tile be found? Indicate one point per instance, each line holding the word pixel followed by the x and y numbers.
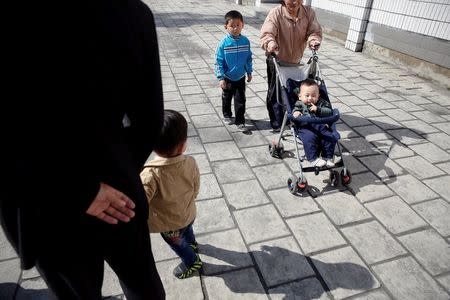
pixel 214 134
pixel 373 295
pixel 111 285
pixel 232 170
pixel 222 151
pixel 440 185
pixel 445 281
pixel 6 250
pixel 9 277
pixel 411 189
pixel 385 122
pixel 207 220
pixel 194 146
pixel 430 249
pixel 372 133
pixel 382 166
pixel 367 187
pixel 160 249
pixel 419 167
pixel 176 288
pixel 405 279
pixel 437 213
pixel 419 126
pixel 260 155
pixel 367 111
pixel 202 163
pixel 398 114
pixel 428 117
pixel 209 187
pixel 393 149
pixel 281 261
pixel 395 215
pixel 254 139
pixel 439 139
pixel 431 152
pixel 444 167
pixel 223 251
pixel 202 121
pixel 175 105
pixel 315 233
pixel 242 284
pixel 358 147
pixel 260 223
pixel 344 272
pixel 406 136
pixel 244 194
pixel 343 208
pixel 265 175
pixel 292 205
pixel 354 119
pixel 373 242
pixel 309 288
pixel 35 288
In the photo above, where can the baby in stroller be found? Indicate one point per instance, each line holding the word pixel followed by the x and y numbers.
pixel 318 138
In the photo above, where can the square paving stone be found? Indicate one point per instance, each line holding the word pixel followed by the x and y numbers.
pixel 292 205
pixel 223 251
pixel 202 163
pixel 344 272
pixel 399 114
pixel 254 139
pixel 440 185
pixel 368 187
pixel 244 194
pixel 382 166
pixel 373 242
pixel 178 289
pixel 260 223
pixel 175 105
pixel 200 109
pixel 393 149
pixel 420 127
pixel 209 188
pixel 315 232
pixel 214 134
pixel 354 120
pixel 202 121
pixel 395 214
pixel 111 285
pixel 372 133
pixel 160 249
pixel 406 280
pixel 243 284
pixel 437 213
pixel 367 111
pixel 385 122
pixel 373 295
pixel 419 167
pixel 207 220
pixel 343 208
pixel 445 281
pixel 358 147
pixel 440 139
pixel 431 152
pixel 6 250
pixel 35 289
pixel 281 261
pixel 428 117
pixel 430 249
pixel 232 170
pixel 444 166
pixel 272 176
pixel 411 189
pixel 309 288
pixel 406 136
pixel 194 146
pixel 222 151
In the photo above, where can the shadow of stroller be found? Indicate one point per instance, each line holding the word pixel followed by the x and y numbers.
pixel 283 272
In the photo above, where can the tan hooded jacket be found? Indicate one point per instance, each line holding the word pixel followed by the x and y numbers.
pixel 291 34
pixel 171 185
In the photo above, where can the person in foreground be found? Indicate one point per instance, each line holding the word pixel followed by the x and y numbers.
pixel 233 62
pixel 287 30
pixel 317 138
pixel 86 91
pixel 172 181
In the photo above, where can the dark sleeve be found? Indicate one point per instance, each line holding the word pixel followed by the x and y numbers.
pixel 324 108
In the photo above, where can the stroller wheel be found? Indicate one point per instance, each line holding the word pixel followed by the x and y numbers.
pixel 334 178
pixel 276 150
pixel 302 185
pixel 346 177
pixel 292 184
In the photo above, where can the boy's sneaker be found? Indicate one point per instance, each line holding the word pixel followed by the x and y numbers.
pixel 337 159
pixel 194 246
pixel 190 271
pixel 329 163
pixel 318 162
pixel 228 121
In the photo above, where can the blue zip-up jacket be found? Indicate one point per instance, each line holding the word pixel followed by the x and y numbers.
pixel 233 58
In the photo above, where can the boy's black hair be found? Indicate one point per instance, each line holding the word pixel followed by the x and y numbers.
pixel 233 14
pixel 309 82
pixel 173 132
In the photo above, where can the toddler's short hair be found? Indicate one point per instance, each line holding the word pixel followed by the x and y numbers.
pixel 173 131
pixel 309 82
pixel 233 14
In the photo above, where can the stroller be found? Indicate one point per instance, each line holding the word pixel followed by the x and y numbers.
pixel 289 78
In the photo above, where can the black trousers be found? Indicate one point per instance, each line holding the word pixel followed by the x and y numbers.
pixel 234 89
pixel 274 109
pixel 80 275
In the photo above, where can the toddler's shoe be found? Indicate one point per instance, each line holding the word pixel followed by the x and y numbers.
pixel 329 163
pixel 194 246
pixel 337 159
pixel 318 162
pixel 190 271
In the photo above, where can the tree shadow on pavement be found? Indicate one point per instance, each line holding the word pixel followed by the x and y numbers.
pixel 283 272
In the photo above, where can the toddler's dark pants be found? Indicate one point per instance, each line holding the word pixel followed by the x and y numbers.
pixel 180 241
pixel 234 89
pixel 318 138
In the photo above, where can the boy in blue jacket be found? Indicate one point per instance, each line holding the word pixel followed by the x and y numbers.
pixel 233 61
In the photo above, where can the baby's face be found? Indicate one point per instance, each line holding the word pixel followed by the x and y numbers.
pixel 234 27
pixel 309 94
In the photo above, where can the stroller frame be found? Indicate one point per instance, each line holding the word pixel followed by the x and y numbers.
pixel 276 149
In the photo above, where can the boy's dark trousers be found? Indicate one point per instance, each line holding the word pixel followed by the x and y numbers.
pixel 236 89
pixel 274 109
pixel 180 241
pixel 318 138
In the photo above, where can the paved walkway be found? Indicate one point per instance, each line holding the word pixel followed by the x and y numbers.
pixel 386 236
